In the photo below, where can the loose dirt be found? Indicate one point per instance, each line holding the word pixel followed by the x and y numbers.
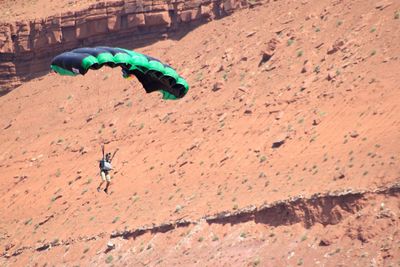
pixel 288 100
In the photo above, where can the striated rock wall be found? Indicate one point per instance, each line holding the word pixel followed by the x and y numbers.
pixel 328 208
pixel 26 47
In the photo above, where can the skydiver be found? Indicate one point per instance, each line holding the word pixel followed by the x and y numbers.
pixel 105 168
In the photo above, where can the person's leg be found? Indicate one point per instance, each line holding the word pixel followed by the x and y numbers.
pixel 103 179
pixel 108 178
pixel 99 187
pixel 107 185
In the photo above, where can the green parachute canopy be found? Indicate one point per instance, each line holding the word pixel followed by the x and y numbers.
pixel 152 73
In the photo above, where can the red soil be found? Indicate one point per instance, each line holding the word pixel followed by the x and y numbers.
pixel 329 93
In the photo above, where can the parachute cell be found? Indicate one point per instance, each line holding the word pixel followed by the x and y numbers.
pixel 151 73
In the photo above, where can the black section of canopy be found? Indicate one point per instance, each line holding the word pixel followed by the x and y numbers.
pixel 152 83
pixel 70 61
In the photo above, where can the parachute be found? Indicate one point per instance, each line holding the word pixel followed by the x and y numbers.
pixel 151 73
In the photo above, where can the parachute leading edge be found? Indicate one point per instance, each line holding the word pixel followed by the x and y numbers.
pixel 151 73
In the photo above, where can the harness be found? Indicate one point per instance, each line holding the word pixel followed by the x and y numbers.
pixel 105 165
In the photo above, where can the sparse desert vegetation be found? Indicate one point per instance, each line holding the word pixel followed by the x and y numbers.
pixel 283 152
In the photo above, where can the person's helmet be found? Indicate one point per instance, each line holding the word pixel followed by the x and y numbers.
pixel 108 155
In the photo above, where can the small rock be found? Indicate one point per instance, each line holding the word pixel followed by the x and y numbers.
pixel 218 68
pixel 222 118
pixel 362 236
pixel 42 247
pixel 178 208
pixel 243 89
pixel 110 245
pixel 382 5
pixel 269 51
pixel 306 66
pixel 272 44
pixel 280 140
pixel 385 214
pixel 83 150
pixel 354 134
pixel 339 175
pixel 335 47
pixel 265 57
pixel 277 144
pixel 89 119
pixel 269 68
pixel 224 159
pixel 183 163
pixel 9 246
pixel 228 55
pixel 251 33
pixel 324 242
pixel 316 121
pixel 319 45
pixel 330 76
pixel 248 112
pixel 217 86
pixel 279 115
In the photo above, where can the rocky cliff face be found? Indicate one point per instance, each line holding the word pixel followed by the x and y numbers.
pixel 26 47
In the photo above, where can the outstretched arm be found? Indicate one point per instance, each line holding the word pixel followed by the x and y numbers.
pixel 102 150
pixel 115 152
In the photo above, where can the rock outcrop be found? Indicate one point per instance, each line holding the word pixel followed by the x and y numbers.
pixel 26 47
pixel 327 208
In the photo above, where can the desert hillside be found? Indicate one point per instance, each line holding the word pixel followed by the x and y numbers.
pixel 284 152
